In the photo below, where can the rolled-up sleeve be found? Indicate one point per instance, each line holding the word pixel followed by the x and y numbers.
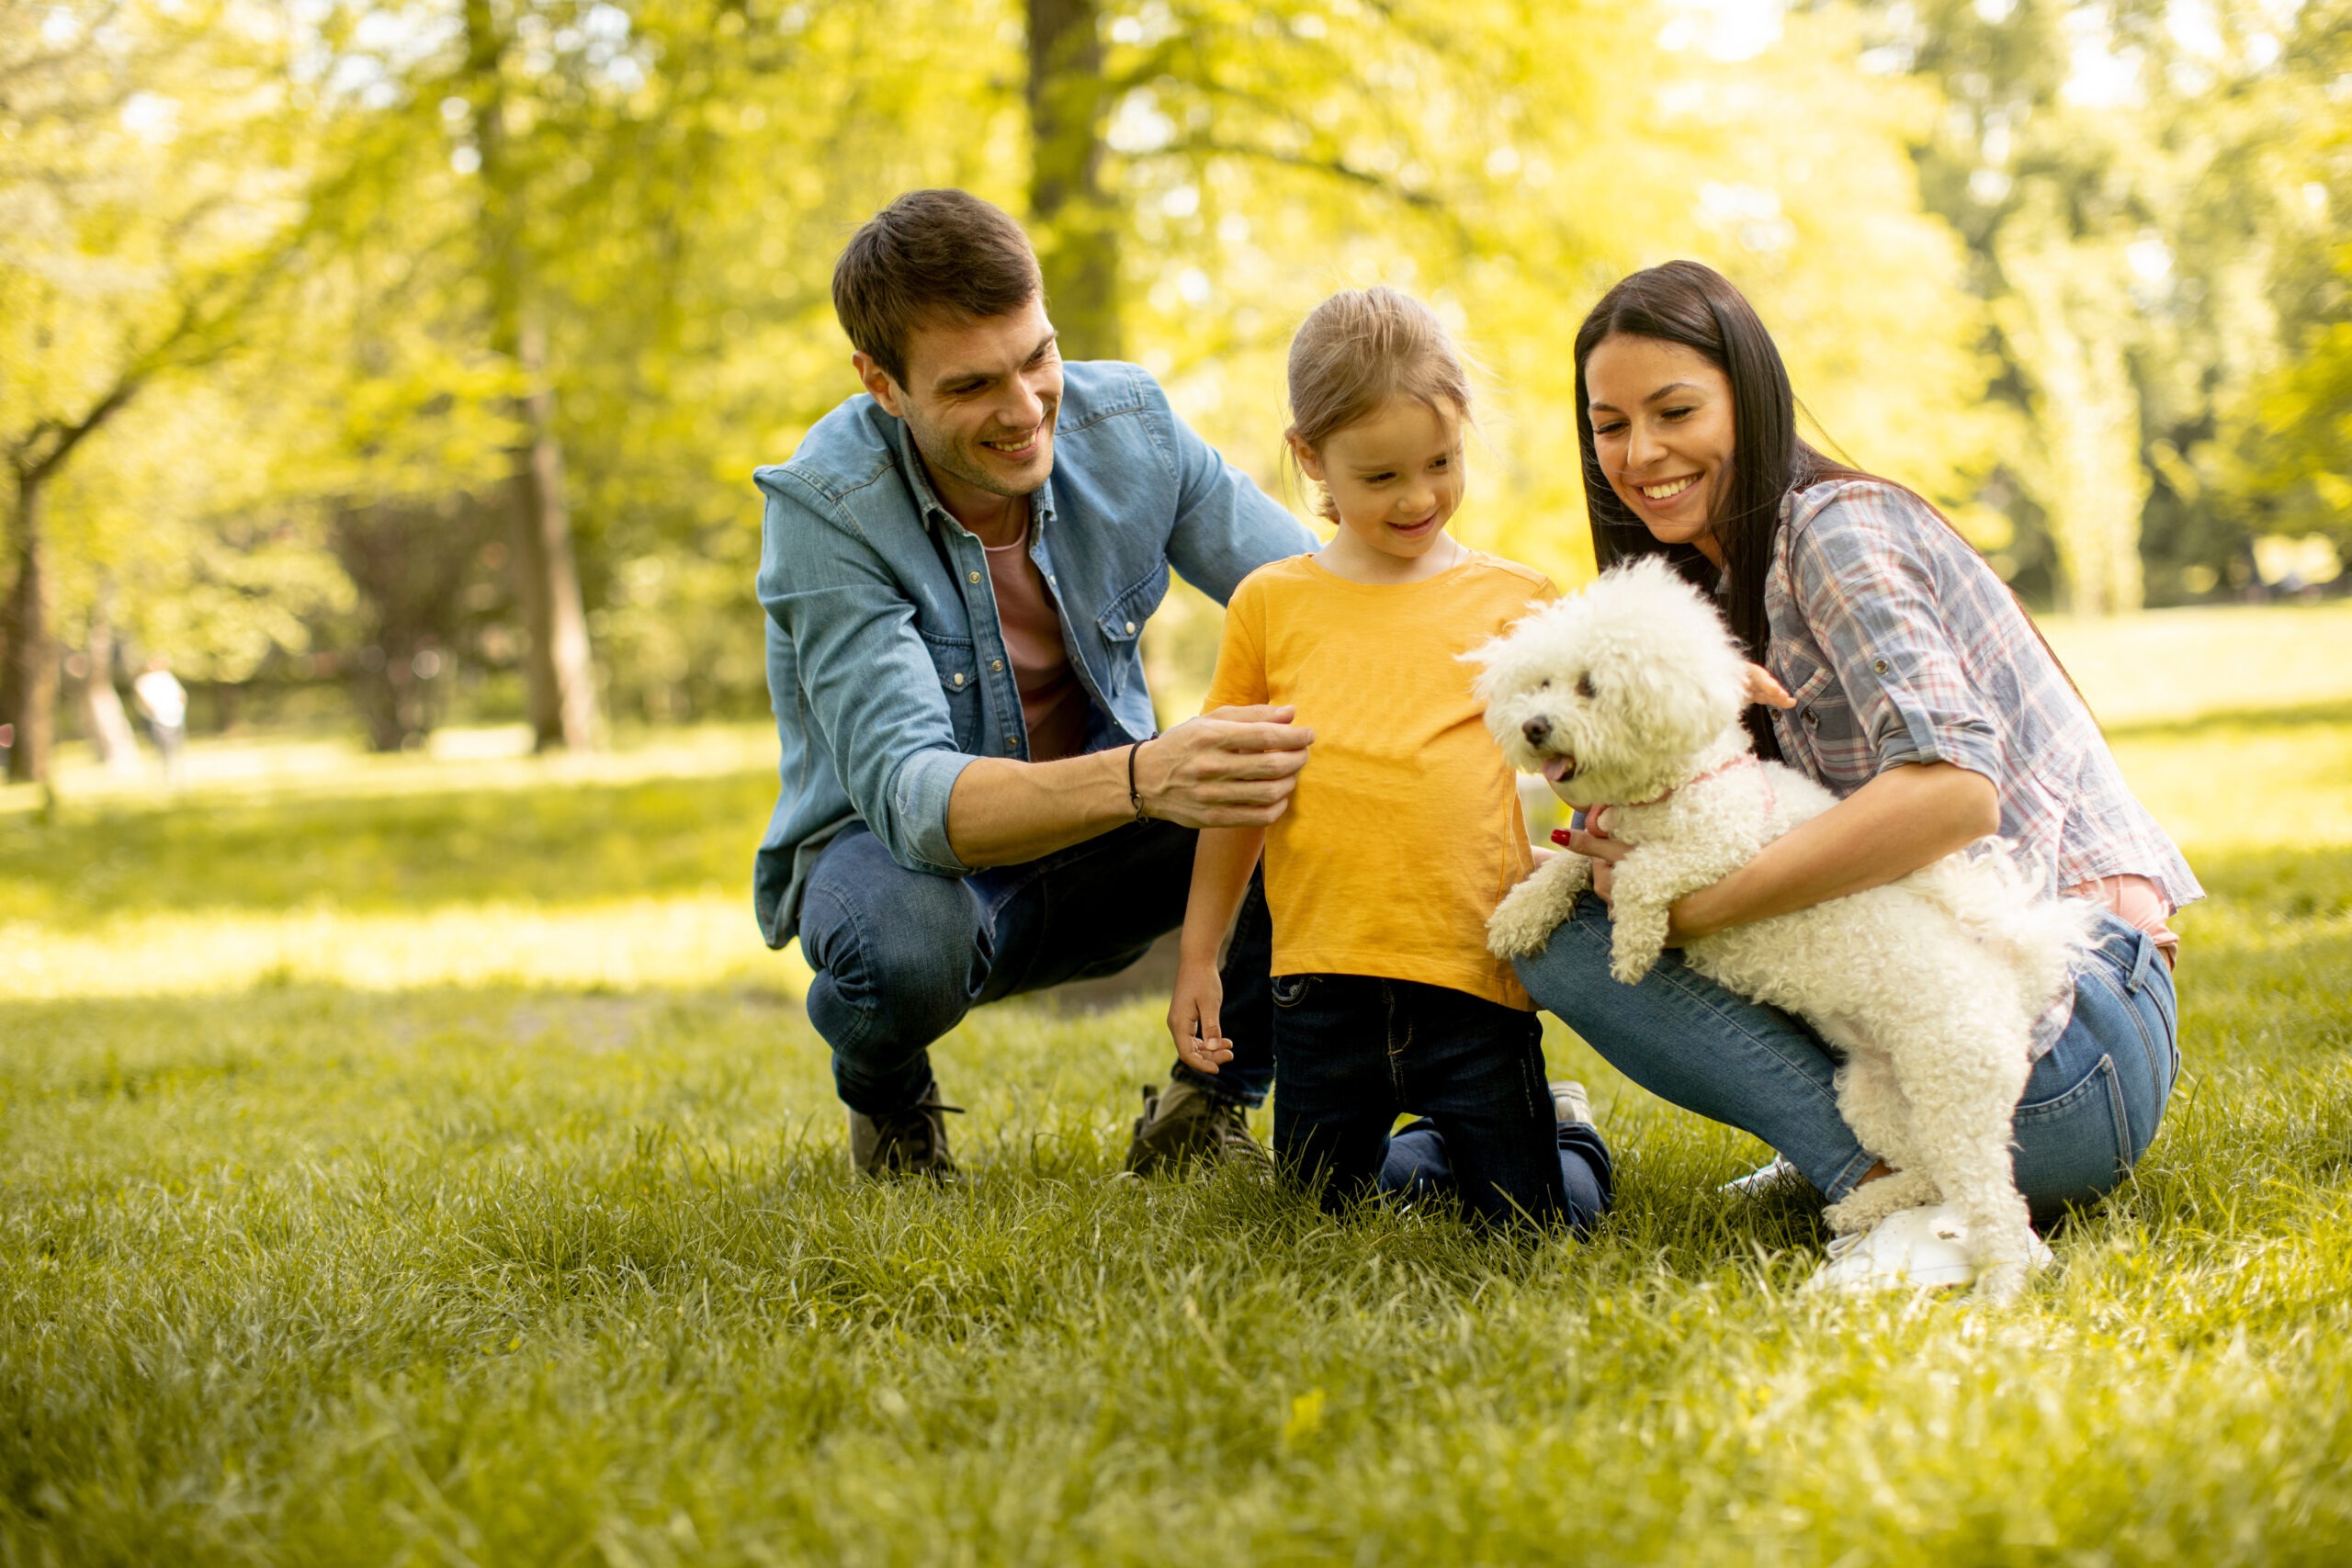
pixel 1225 527
pixel 1870 596
pixel 863 678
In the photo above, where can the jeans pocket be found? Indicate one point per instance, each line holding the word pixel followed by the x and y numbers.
pixel 2136 1004
pixel 1290 990
pixel 2076 1144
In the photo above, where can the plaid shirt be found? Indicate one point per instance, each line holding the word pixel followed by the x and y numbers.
pixel 1901 646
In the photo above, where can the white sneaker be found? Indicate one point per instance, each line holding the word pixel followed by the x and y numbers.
pixel 1767 1178
pixel 1569 1102
pixel 1921 1249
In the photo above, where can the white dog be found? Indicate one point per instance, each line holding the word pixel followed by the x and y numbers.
pixel 1630 693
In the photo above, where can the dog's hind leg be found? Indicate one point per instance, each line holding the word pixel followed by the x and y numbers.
pixel 1872 1100
pixel 1962 1078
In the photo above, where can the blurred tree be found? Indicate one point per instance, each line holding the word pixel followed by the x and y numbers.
pixel 143 207
pixel 103 716
pixel 2116 171
pixel 409 562
pixel 1075 224
pixel 2282 457
pixel 573 257
pixel 562 683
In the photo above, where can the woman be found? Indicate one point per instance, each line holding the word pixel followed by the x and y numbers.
pixel 1918 691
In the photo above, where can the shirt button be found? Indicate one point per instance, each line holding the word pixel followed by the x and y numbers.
pixel 1812 719
pixel 958 677
pixel 973 575
pixel 1131 629
pixel 997 665
pixel 1878 665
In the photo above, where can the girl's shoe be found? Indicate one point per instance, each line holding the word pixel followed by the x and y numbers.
pixel 1569 1102
pixel 1186 1124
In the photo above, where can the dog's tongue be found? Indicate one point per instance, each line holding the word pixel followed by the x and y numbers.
pixel 1558 768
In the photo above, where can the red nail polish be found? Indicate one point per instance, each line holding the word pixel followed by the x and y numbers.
pixel 1560 837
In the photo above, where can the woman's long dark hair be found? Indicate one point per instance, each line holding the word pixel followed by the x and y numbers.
pixel 1684 302
pixel 1695 306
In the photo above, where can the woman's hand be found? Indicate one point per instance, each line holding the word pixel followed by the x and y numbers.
pixel 1592 841
pixel 1762 688
pixel 1193 1017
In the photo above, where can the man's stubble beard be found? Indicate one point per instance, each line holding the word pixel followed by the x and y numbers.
pixel 943 454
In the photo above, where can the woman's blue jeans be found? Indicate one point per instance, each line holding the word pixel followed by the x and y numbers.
pixel 2088 1110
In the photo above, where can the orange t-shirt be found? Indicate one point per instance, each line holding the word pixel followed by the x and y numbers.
pixel 1405 831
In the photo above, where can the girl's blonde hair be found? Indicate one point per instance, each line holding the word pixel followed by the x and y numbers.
pixel 1361 348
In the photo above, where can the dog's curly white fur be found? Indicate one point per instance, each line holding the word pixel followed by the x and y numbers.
pixel 1631 691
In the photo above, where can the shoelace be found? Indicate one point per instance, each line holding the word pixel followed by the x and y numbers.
pixel 913 1125
pixel 1841 1245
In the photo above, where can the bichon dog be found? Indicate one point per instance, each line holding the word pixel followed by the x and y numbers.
pixel 1630 693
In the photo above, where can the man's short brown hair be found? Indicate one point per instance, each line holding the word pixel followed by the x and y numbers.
pixel 929 252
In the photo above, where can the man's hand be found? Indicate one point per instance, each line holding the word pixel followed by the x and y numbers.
pixel 1232 768
pixel 1193 1017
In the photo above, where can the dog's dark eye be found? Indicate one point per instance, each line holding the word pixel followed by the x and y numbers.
pixel 1544 684
pixel 1584 687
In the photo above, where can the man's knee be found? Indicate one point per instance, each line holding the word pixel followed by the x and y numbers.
pixel 897 953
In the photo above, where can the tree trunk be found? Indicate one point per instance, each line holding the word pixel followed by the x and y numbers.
pixel 102 712
pixel 28 684
pixel 1076 230
pixel 2064 320
pixel 558 663
pixel 561 672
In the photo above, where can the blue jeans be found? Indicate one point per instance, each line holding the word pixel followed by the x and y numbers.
pixel 903 955
pixel 2087 1114
pixel 1353 1051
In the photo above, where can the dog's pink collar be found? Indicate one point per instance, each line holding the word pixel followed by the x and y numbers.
pixel 1592 818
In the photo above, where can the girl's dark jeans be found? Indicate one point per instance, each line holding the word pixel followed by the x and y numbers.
pixel 1352 1052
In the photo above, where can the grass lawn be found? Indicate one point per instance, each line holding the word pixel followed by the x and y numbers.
pixel 437 1172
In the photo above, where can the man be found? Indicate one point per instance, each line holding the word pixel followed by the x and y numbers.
pixel 955 567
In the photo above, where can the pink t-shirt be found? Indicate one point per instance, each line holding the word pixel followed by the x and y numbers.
pixel 2136 899
pixel 1053 701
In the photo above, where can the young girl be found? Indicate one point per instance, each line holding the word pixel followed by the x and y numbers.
pixel 1405 830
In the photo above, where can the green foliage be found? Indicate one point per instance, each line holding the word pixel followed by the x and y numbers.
pixel 1926 201
pixel 500 1273
pixel 2136 183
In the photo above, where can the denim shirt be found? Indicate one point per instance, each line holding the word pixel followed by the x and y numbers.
pixel 887 665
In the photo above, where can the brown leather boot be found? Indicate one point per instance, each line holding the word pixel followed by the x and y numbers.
pixel 912 1142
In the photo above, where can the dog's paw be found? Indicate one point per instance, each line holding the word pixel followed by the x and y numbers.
pixel 1627 968
pixel 2002 1284
pixel 1873 1200
pixel 1523 922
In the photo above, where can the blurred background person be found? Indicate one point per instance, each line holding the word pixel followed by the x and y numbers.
pixel 163 703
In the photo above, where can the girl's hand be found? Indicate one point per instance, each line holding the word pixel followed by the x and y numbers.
pixel 1193 1017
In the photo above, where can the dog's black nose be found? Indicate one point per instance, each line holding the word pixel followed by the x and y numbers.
pixel 1537 730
